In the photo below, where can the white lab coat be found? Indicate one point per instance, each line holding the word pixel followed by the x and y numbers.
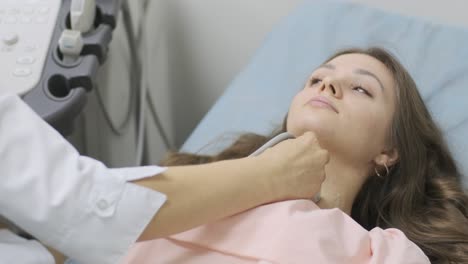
pixel 15 249
pixel 70 202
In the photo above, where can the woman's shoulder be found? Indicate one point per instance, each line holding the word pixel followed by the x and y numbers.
pixel 392 243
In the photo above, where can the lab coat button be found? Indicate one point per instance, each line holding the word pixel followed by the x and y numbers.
pixel 102 204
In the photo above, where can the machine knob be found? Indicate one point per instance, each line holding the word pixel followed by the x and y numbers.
pixel 10 39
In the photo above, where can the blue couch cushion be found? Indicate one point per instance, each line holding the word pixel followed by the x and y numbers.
pixel 436 55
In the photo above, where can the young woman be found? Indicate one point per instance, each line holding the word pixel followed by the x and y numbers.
pixel 389 167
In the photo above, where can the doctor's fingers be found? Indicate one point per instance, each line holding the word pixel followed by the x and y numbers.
pixel 310 148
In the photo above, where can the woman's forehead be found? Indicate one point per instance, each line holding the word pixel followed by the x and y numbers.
pixel 355 61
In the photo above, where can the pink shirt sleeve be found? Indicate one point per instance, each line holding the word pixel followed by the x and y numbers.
pixel 392 246
pixel 286 232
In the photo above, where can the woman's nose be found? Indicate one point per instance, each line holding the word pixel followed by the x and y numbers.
pixel 331 86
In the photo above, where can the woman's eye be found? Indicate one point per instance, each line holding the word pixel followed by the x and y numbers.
pixel 362 90
pixel 314 81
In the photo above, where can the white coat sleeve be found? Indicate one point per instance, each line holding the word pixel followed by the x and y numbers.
pixel 15 249
pixel 72 203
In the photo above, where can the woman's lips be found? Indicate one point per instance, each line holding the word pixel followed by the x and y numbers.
pixel 320 101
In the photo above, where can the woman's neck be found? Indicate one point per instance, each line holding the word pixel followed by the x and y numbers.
pixel 341 186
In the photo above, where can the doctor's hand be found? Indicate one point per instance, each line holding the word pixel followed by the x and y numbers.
pixel 204 193
pixel 297 167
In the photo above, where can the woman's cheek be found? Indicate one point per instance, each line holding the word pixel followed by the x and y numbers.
pixel 373 124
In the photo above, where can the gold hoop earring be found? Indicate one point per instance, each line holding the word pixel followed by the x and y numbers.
pixel 386 168
pixel 378 174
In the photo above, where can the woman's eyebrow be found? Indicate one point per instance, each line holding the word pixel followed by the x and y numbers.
pixel 328 66
pixel 368 73
pixel 357 71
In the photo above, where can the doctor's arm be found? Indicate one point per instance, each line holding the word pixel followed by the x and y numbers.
pixel 200 194
pixel 75 204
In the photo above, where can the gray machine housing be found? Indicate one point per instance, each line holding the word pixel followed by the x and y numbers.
pixel 61 93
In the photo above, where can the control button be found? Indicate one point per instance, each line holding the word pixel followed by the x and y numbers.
pixel 28 10
pixel 11 20
pixel 26 60
pixel 25 20
pixel 102 204
pixel 22 72
pixel 6 49
pixel 43 10
pixel 14 11
pixel 10 38
pixel 40 20
pixel 30 48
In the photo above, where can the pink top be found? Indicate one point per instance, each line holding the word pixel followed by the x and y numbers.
pixel 286 232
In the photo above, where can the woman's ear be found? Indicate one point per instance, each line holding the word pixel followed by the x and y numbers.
pixel 387 157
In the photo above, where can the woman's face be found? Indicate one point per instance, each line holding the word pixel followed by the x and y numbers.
pixel 349 103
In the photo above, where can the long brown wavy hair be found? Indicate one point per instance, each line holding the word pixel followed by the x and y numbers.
pixel 422 195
